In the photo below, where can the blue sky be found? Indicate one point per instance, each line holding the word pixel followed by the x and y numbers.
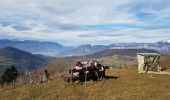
pixel 75 22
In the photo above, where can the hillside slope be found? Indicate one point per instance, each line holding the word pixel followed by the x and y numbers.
pixel 120 52
pixel 21 59
pixel 109 53
pixel 128 86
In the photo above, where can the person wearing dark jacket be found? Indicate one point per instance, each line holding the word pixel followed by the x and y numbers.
pixel 100 70
pixel 78 73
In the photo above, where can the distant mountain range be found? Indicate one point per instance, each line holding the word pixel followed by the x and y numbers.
pixel 36 47
pixel 51 48
pixel 21 59
pixel 57 50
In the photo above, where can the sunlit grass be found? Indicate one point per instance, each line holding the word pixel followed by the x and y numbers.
pixel 129 86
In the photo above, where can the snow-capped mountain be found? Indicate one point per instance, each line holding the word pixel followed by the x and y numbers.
pixel 166 41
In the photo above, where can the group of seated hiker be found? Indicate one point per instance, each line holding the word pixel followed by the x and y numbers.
pixel 85 71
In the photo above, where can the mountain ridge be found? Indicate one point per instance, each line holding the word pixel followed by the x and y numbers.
pixel 21 59
pixel 58 50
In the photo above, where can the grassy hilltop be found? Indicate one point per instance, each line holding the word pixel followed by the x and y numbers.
pixel 128 86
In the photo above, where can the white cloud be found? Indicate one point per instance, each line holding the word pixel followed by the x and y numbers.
pixel 74 22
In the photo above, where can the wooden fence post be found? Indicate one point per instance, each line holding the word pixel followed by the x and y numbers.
pixel 71 78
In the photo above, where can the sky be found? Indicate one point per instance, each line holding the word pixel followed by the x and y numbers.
pixel 75 22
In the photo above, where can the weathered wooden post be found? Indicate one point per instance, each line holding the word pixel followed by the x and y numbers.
pixel 71 77
pixel 21 80
pixel 13 83
pixel 86 76
pixel 30 78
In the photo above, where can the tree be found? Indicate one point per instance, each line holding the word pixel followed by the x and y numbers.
pixel 1 81
pixel 9 75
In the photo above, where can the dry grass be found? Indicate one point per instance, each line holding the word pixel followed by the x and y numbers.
pixel 129 86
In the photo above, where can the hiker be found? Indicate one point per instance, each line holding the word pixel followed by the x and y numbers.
pixel 100 69
pixel 81 73
pixel 98 66
pixel 78 66
pixel 92 71
pixel 91 63
pixel 78 72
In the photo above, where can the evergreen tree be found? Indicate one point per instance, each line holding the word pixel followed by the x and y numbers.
pixel 9 75
pixel 1 81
